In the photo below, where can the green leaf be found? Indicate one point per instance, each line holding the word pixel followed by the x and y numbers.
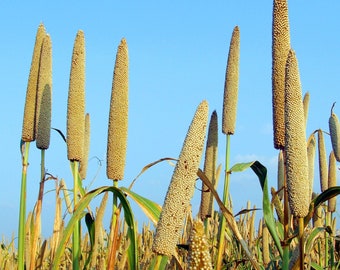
pixel 268 215
pixel 89 221
pixel 240 167
pixel 79 214
pixel 245 211
pixel 312 237
pixel 316 266
pixel 162 264
pixel 151 209
pixel 326 195
pixel 321 198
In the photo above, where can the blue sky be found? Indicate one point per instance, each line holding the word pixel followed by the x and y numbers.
pixel 178 53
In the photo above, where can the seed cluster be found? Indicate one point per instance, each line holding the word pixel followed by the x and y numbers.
pixel 76 101
pixel 231 84
pixel 280 49
pixel 118 119
pixel 28 126
pixel 295 141
pixel 305 101
pixel 182 185
pixel 311 147
pixel 199 254
pixel 85 158
pixel 209 167
pixel 332 181
pixel 44 96
pixel 334 130
pixel 323 167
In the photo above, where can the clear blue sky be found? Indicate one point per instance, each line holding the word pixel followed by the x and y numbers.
pixel 178 53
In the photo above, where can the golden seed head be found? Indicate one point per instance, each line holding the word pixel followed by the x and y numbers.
pixel 199 252
pixel 210 161
pixel 44 96
pixel 84 160
pixel 334 130
pixel 231 84
pixel 76 101
pixel 280 49
pixel 306 98
pixel 311 147
pixel 265 244
pixel 295 141
pixel 28 126
pixel 182 185
pixel 118 119
pixel 332 181
pixel 323 167
pixel 318 215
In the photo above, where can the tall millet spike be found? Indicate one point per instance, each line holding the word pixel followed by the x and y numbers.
pixel 311 147
pixel 118 118
pixel 76 101
pixel 182 185
pixel 85 158
pixel 28 125
pixel 332 169
pixel 280 49
pixel 231 84
pixel 334 130
pixel 44 96
pixel 306 99
pixel 295 141
pixel 210 160
pixel 323 167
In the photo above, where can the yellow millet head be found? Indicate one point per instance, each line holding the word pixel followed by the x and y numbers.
pixel 265 245
pixel 280 49
pixel 295 141
pixel 231 84
pixel 199 252
pixel 311 147
pixel 85 158
pixel 28 126
pixel 182 185
pixel 318 215
pixel 44 96
pixel 76 101
pixel 118 118
pixel 210 161
pixel 305 101
pixel 334 130
pixel 323 167
pixel 332 180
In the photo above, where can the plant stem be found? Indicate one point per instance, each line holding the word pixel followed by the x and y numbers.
pixel 226 203
pixel 158 262
pixel 76 229
pixel 37 222
pixel 22 211
pixel 285 259
pixel 113 231
pixel 328 223
pixel 301 242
